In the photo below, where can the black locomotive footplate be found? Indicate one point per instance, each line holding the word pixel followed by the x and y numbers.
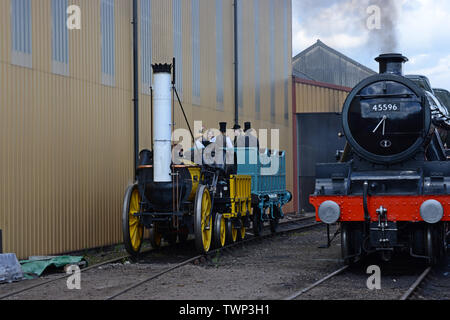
pixel 383 236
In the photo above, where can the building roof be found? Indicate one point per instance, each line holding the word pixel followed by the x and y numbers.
pixel 320 44
pixel 324 64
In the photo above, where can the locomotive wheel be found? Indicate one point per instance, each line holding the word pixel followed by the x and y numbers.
pixel 274 222
pixel 232 232
pixel 220 231
pixel 446 240
pixel 274 225
pixel 155 237
pixel 430 244
pixel 132 229
pixel 351 242
pixel 203 220
pixel 442 241
pixel 348 249
pixel 257 223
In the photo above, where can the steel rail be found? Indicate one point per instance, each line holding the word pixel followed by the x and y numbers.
pixel 416 284
pixel 16 292
pixel 317 283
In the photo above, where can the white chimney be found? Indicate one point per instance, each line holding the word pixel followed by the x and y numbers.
pixel 162 123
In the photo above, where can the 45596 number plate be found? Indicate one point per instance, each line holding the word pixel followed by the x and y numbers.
pixel 385 107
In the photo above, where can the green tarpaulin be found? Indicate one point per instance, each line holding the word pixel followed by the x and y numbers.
pixel 36 266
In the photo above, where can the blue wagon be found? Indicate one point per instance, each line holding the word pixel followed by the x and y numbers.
pixel 269 194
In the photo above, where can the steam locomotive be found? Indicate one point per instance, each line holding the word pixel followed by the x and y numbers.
pixel 390 189
pixel 215 194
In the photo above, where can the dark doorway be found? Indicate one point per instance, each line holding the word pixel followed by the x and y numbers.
pixel 318 142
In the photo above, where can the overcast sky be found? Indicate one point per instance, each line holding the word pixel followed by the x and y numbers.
pixel 419 29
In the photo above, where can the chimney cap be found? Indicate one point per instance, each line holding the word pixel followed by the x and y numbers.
pixel 394 57
pixel 162 68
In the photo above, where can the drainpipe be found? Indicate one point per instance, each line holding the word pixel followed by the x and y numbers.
pixel 236 65
pixel 136 85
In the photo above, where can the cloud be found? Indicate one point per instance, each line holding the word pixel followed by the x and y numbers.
pixel 418 59
pixel 344 23
pixel 338 41
pixel 421 31
pixel 438 74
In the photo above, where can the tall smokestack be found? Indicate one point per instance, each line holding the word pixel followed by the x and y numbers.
pixel 162 123
pixel 391 63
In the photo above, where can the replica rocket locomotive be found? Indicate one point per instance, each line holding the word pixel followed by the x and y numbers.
pixel 390 190
pixel 215 199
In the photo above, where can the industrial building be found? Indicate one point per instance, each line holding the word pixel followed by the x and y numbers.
pixel 323 77
pixel 67 102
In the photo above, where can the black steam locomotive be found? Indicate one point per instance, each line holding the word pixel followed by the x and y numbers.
pixel 390 190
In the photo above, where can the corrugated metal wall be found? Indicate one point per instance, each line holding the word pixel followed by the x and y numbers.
pixel 314 97
pixel 67 141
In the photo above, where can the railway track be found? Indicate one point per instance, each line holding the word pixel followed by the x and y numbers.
pixel 407 295
pixel 285 227
pixel 290 226
pixel 410 292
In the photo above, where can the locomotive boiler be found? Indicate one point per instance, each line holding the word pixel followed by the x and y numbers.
pixel 389 192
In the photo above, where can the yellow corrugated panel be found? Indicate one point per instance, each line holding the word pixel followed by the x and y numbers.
pixel 313 98
pixel 67 141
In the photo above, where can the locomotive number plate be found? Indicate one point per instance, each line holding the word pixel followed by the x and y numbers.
pixel 385 107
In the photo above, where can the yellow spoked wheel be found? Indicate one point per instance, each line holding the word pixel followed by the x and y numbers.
pixel 232 232
pixel 203 224
pixel 155 237
pixel 220 231
pixel 132 229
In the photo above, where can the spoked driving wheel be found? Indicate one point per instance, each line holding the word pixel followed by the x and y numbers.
pixel 132 229
pixel 220 231
pixel 203 224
